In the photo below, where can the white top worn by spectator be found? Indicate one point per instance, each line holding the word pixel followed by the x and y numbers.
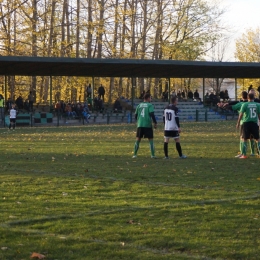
pixel 13 113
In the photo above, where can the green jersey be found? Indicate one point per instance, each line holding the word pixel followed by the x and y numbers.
pixel 237 107
pixel 143 111
pixel 250 111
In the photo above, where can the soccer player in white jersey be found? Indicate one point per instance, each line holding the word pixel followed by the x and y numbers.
pixel 12 116
pixel 172 127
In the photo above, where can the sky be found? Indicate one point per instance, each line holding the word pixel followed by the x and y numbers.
pixel 240 15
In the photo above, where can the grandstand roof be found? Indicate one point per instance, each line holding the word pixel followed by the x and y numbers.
pixel 51 66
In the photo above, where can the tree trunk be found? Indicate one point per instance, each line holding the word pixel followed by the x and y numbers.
pixel 68 45
pixel 90 26
pixel 78 29
pixel 51 28
pixel 100 29
pixel 62 51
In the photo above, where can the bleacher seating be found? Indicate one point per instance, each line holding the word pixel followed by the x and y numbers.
pixel 188 111
pixel 43 118
pixel 23 119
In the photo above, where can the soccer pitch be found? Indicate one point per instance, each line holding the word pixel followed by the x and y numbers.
pixel 76 193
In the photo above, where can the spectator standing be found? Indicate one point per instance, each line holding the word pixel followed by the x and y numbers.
pixel 62 106
pixel 190 94
pixel 8 104
pixel 26 105
pixel 196 95
pixel 213 98
pixel 222 95
pixel 165 95
pixel 31 99
pixel 1 107
pixel 183 95
pixel 186 92
pixel 101 92
pixel 12 116
pixel 89 91
pixel 58 108
pixel 142 94
pixel 173 94
pixel 19 102
pixel 226 96
pixel 258 89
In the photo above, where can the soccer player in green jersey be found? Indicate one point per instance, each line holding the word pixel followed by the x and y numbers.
pixel 236 106
pixel 250 112
pixel 144 115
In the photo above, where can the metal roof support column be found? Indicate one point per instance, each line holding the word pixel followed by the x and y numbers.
pixel 92 93
pixel 203 90
pixel 132 100
pixel 51 92
pixel 236 89
pixel 169 89
pixel 5 89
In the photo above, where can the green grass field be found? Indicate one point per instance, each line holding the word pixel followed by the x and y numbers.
pixel 76 193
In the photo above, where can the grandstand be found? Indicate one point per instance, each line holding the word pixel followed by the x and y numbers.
pixel 189 111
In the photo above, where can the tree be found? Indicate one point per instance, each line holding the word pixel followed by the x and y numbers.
pixel 248 50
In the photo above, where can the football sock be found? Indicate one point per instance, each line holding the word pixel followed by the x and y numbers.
pixel 136 147
pixel 241 146
pixel 166 149
pixel 9 126
pixel 244 148
pixel 258 147
pixel 178 147
pixel 152 147
pixel 252 146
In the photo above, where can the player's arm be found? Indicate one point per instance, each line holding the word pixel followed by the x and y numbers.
pixel 164 117
pixel 236 107
pixel 232 103
pixel 177 120
pixel 153 118
pixel 241 112
pixel 136 113
pixel 239 119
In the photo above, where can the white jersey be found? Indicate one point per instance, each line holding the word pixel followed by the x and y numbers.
pixel 170 115
pixel 12 113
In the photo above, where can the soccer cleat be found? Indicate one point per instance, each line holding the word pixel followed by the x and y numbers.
pixel 243 157
pixel 166 158
pixel 238 156
pixel 183 157
pixel 134 156
pixel 153 157
pixel 252 154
